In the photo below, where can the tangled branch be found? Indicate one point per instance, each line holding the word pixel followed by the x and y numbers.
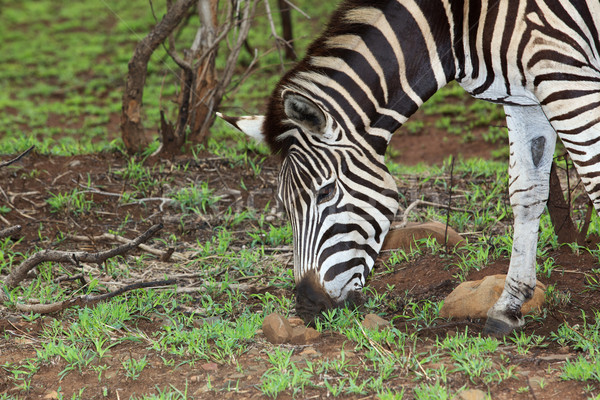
pixel 19 273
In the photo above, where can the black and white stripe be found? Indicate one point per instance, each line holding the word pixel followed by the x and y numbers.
pixel 332 116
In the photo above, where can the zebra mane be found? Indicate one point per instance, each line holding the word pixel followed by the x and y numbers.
pixel 276 125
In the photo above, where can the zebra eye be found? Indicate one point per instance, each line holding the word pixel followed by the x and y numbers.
pixel 326 193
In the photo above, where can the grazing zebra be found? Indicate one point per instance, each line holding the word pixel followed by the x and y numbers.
pixel 332 116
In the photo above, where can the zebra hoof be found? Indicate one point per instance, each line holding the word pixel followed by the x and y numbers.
pixel 497 328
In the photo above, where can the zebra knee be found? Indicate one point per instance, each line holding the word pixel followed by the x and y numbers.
pixel 537 150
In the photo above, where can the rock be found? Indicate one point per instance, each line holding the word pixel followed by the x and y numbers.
pixel 303 335
pixel 52 395
pixel 474 298
pixel 211 366
pixel 404 238
pixel 374 321
pixel 310 352
pixel 473 394
pixel 295 321
pixel 276 328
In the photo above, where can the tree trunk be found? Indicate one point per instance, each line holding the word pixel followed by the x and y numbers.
pixel 286 24
pixel 205 80
pixel 132 128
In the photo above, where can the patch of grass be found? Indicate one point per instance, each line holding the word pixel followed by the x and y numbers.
pixel 198 199
pixel 75 202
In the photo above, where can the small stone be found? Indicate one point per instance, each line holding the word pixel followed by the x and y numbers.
pixel 52 395
pixel 473 299
pixel 473 394
pixel 201 391
pixel 309 352
pixel 303 335
pixel 277 329
pixel 110 374
pixel 375 322
pixel 564 349
pixel 405 237
pixel 253 352
pixel 209 367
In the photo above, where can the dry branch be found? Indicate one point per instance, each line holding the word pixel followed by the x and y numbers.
pixel 418 203
pixel 132 129
pixel 87 300
pixel 4 233
pixel 14 160
pixel 121 239
pixel 73 257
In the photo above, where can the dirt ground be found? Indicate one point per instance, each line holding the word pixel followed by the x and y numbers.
pixel 26 186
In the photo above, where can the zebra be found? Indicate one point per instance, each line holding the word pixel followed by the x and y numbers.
pixel 331 117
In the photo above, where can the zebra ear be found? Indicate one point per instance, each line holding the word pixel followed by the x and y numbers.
pixel 250 125
pixel 304 112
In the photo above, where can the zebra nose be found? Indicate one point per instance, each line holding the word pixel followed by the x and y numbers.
pixel 312 299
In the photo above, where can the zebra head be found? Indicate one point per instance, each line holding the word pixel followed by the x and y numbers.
pixel 337 192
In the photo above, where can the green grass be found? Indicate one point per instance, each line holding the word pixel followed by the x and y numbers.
pixel 61 75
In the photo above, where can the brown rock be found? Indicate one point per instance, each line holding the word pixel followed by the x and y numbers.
pixel 310 352
pixel 295 321
pixel 474 298
pixel 277 329
pixel 211 366
pixel 404 238
pixel 303 335
pixel 473 394
pixel 374 321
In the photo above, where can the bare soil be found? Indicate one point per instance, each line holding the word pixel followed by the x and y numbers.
pixel 27 184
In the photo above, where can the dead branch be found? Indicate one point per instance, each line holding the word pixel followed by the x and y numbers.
pixel 88 300
pixel 132 130
pixel 418 203
pixel 14 160
pixel 286 26
pixel 4 233
pixel 278 39
pixel 121 239
pixel 72 257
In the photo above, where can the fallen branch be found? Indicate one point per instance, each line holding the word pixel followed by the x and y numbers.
pixel 417 203
pixel 87 300
pixel 4 233
pixel 73 257
pixel 14 160
pixel 116 238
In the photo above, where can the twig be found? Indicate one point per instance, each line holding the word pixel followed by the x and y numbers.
pixel 19 273
pixel 417 203
pixel 121 239
pixel 278 39
pixel 295 7
pixel 14 160
pixel 87 300
pixel 9 231
pixel 449 204
pixel 7 222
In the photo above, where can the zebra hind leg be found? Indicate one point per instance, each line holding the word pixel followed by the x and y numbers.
pixel 532 140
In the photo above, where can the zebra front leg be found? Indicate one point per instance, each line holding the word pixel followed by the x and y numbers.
pixel 532 140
